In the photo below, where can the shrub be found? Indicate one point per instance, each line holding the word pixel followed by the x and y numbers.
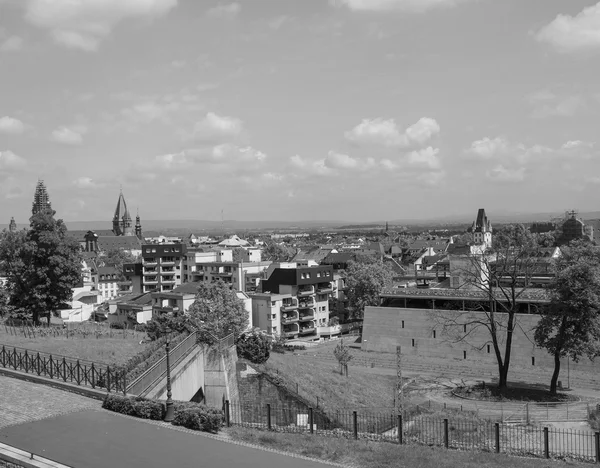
pixel 134 406
pixel 595 419
pixel 200 418
pixel 254 345
pixel 117 326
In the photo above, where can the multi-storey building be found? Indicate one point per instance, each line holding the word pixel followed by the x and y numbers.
pixel 161 267
pixel 294 301
pixel 107 278
pixel 132 282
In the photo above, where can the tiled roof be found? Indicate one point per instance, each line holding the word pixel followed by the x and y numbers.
pixel 106 243
pixel 527 295
pixel 186 288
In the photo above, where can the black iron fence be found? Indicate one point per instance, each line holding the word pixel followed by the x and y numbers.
pixel 56 367
pixel 454 432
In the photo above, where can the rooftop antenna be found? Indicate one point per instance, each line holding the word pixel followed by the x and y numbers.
pixel 222 223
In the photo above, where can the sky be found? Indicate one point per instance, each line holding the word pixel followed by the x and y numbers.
pixel 354 110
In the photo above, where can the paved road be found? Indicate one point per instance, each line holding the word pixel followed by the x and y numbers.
pixel 99 439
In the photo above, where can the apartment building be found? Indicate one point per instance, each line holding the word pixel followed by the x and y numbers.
pixel 162 266
pixel 294 300
pixel 132 282
pixel 197 257
pixel 106 278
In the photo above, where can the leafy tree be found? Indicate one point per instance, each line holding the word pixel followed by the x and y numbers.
pixel 239 254
pixel 502 274
pixel 254 345
pixel 343 356
pixel 570 326
pixel 217 312
pixel 274 252
pixel 117 258
pixel 364 282
pixel 42 266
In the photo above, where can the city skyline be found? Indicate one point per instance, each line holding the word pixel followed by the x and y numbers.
pixel 356 110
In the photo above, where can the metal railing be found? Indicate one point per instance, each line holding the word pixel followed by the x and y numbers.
pixel 57 367
pixel 158 370
pixel 454 432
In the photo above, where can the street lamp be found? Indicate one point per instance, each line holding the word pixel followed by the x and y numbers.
pixel 170 410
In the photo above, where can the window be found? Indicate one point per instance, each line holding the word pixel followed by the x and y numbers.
pixel 488 349
pixel 403 326
pixel 178 276
pixel 413 342
pixel 273 303
pixel 274 316
pixel 465 328
pixel 533 360
pixel 464 355
pixel 318 274
pixel 434 333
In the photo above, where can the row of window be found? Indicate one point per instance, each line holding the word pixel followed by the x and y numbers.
pixel 308 274
pixel 165 249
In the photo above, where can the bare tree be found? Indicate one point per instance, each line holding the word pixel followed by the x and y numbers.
pixel 497 283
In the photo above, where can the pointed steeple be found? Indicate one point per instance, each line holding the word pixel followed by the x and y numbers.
pixel 138 226
pixel 12 227
pixel 41 200
pixel 122 224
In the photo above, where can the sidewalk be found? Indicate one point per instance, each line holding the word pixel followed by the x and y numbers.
pixel 99 439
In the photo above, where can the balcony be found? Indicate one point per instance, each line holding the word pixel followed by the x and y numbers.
pixel 289 305
pixel 221 273
pixel 152 272
pixel 167 270
pixel 150 281
pixel 307 329
pixel 290 330
pixel 289 318
pixel 167 280
pixel 309 315
pixel 306 304
pixel 325 288
pixel 150 262
pixel 306 291
pixel 167 262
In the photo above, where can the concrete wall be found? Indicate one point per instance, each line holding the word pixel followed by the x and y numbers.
pixel 419 333
pixel 186 379
pixel 219 376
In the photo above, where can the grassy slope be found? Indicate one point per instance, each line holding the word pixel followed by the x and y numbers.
pixel 103 350
pixel 385 455
pixel 319 378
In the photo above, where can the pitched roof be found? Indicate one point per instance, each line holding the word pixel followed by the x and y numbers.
pixel 481 224
pixel 186 288
pixel 121 210
pixel 106 243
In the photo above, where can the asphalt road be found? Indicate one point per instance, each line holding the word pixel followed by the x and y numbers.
pixel 98 439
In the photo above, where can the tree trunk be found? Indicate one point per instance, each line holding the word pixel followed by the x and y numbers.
pixel 35 317
pixel 555 374
pixel 503 380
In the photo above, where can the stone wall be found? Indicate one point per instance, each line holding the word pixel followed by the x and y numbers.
pixel 419 333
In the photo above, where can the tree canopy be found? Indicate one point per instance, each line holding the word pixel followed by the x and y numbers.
pixel 42 266
pixel 117 258
pixel 217 312
pixel 570 326
pixel 364 283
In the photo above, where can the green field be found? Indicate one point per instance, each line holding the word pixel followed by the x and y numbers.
pixel 366 454
pixel 92 342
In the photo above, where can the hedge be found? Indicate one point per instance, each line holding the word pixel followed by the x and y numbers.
pixel 135 406
pixel 200 418
pixel 188 414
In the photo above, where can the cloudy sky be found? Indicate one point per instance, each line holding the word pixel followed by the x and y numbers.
pixel 299 109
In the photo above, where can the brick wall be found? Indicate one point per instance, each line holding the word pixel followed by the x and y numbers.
pixel 419 333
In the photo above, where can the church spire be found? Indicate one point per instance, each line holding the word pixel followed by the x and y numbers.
pixel 138 226
pixel 122 224
pixel 12 227
pixel 41 200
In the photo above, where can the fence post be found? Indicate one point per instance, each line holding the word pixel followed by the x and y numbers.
pixel 355 424
pixel 26 363
pixel 597 440
pixel 446 441
pixel 50 360
pixel 269 416
pixel 400 429
pixel 527 412
pixel 497 431
pixel 108 379
pixel 546 443
pixel 64 366
pixel 310 420
pixel 227 416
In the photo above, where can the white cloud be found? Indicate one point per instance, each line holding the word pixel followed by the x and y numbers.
pixel 84 24
pixel 10 161
pixel 69 135
pixel 577 144
pixel 427 157
pixel 503 174
pixel 226 11
pixel 386 132
pixel 214 126
pixel 313 167
pixel 11 44
pixel 547 104
pixel 488 148
pixel 409 6
pixel 86 183
pixel 569 34
pixel 11 125
pixel 341 161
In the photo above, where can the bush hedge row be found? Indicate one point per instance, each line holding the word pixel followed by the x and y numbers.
pixel 190 415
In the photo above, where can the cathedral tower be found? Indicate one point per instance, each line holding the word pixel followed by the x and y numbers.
pixel 482 230
pixel 138 227
pixel 122 223
pixel 41 200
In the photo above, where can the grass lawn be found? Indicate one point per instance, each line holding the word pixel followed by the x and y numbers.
pixel 104 349
pixel 366 454
pixel 315 377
